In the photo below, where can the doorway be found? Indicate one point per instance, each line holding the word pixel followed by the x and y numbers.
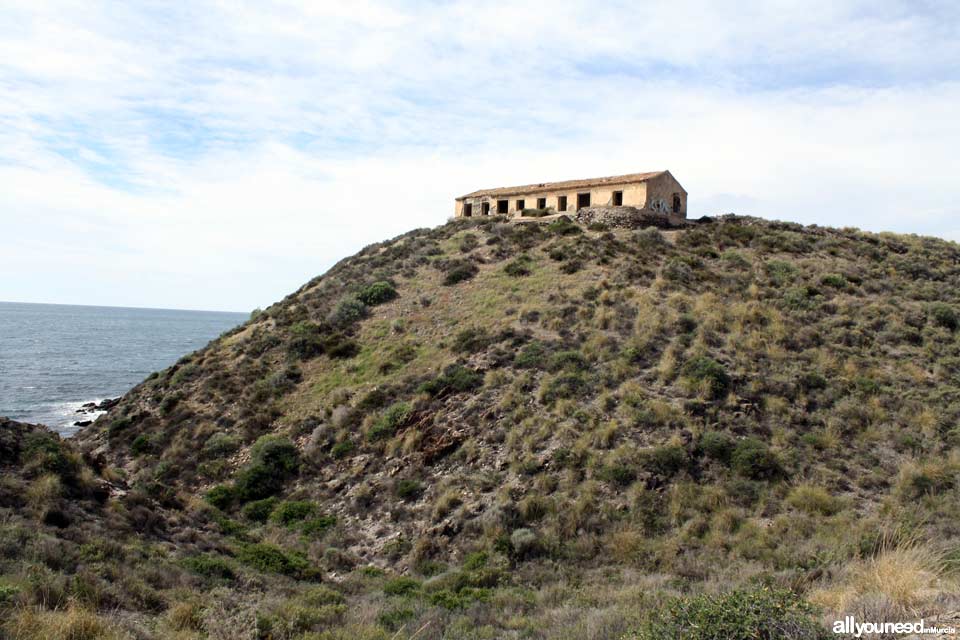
pixel 583 200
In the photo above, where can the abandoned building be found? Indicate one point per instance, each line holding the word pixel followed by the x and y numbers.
pixel 655 191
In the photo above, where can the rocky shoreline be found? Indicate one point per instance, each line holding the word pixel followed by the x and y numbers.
pixel 90 408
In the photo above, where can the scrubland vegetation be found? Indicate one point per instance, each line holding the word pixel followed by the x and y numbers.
pixel 743 429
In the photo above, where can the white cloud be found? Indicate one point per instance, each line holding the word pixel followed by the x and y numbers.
pixel 216 155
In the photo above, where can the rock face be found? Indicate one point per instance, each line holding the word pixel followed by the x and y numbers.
pixel 629 218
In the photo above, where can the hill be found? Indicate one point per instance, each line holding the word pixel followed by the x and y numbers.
pixel 539 430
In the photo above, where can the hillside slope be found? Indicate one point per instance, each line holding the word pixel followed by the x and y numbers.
pixel 547 430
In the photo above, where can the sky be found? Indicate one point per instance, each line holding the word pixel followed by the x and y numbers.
pixel 217 155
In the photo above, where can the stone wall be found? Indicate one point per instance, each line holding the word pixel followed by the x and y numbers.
pixel 628 218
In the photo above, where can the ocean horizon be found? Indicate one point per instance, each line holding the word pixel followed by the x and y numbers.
pixel 54 358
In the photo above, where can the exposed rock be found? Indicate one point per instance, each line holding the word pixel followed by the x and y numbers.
pixel 629 218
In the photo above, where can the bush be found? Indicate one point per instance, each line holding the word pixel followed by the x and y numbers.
pixel 563 226
pixel 276 453
pixel 706 370
pixel 666 460
pixel 342 449
pixel 471 340
pixel 141 445
pixel 256 482
pixel 259 510
pixel 618 473
pixel 306 340
pixel 568 361
pixel 401 586
pixel 718 446
pixel 221 496
pixel 752 459
pixel 220 445
pixel 519 266
pixel 459 271
pixel 377 293
pixel 291 511
pixel 407 489
pixel 944 316
pixel 531 356
pixel 455 379
pixel 348 312
pixel 396 416
pixel 834 280
pixel 317 526
pixel 813 500
pixel 524 543
pixel 268 558
pixel 761 614
pixel 209 566
pixel 565 385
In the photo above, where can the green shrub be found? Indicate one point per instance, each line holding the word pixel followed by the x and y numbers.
pixel 221 496
pixel 306 340
pixel 752 459
pixel 291 511
pixel 256 482
pixel 221 445
pixel 457 271
pixel 666 460
pixel 276 453
pixel 568 361
pixel 944 316
pixel 519 266
pixel 259 510
pixel 834 280
pixel 469 242
pixel 319 596
pixel 563 226
pixel 209 566
pixel 141 445
pixel 342 449
pixel 407 489
pixel 618 473
pixel 7 594
pixel 123 423
pixel 268 558
pixel 377 293
pixel 348 312
pixel 317 526
pixel 167 405
pixel 455 379
pixel 471 340
pixel 717 445
pixel 532 356
pixel 706 369
pixel 761 614
pixel 396 416
pixel 401 586
pixel 565 385
pixel 395 619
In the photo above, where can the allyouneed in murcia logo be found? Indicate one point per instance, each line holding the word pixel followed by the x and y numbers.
pixel 850 627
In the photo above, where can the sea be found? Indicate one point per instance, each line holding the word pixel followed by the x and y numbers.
pixel 55 358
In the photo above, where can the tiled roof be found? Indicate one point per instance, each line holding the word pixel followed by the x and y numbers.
pixel 629 178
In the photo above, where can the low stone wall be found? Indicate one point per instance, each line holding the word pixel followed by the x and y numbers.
pixel 629 218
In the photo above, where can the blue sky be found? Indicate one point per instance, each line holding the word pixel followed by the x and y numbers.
pixel 217 155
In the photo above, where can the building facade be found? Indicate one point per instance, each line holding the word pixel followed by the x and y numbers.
pixel 656 191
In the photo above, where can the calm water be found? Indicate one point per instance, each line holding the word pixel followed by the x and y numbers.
pixel 53 358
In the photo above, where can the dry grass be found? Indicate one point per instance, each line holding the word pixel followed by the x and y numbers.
pixel 44 492
pixel 909 580
pixel 72 623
